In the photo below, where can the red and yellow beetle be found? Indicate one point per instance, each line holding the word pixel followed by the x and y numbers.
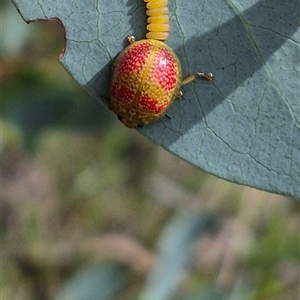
pixel 147 74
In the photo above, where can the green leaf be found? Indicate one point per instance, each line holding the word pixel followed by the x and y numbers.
pixel 174 253
pixel 243 126
pixel 94 282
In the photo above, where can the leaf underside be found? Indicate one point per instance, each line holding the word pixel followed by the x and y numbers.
pixel 244 125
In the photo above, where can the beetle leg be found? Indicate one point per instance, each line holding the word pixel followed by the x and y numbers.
pixel 208 77
pixel 131 39
pixel 179 95
pixel 192 77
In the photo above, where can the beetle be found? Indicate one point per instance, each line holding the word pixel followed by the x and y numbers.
pixel 147 74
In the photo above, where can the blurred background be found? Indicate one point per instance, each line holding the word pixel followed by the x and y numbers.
pixel 93 210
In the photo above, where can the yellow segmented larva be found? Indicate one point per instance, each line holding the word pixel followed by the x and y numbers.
pixel 158 19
